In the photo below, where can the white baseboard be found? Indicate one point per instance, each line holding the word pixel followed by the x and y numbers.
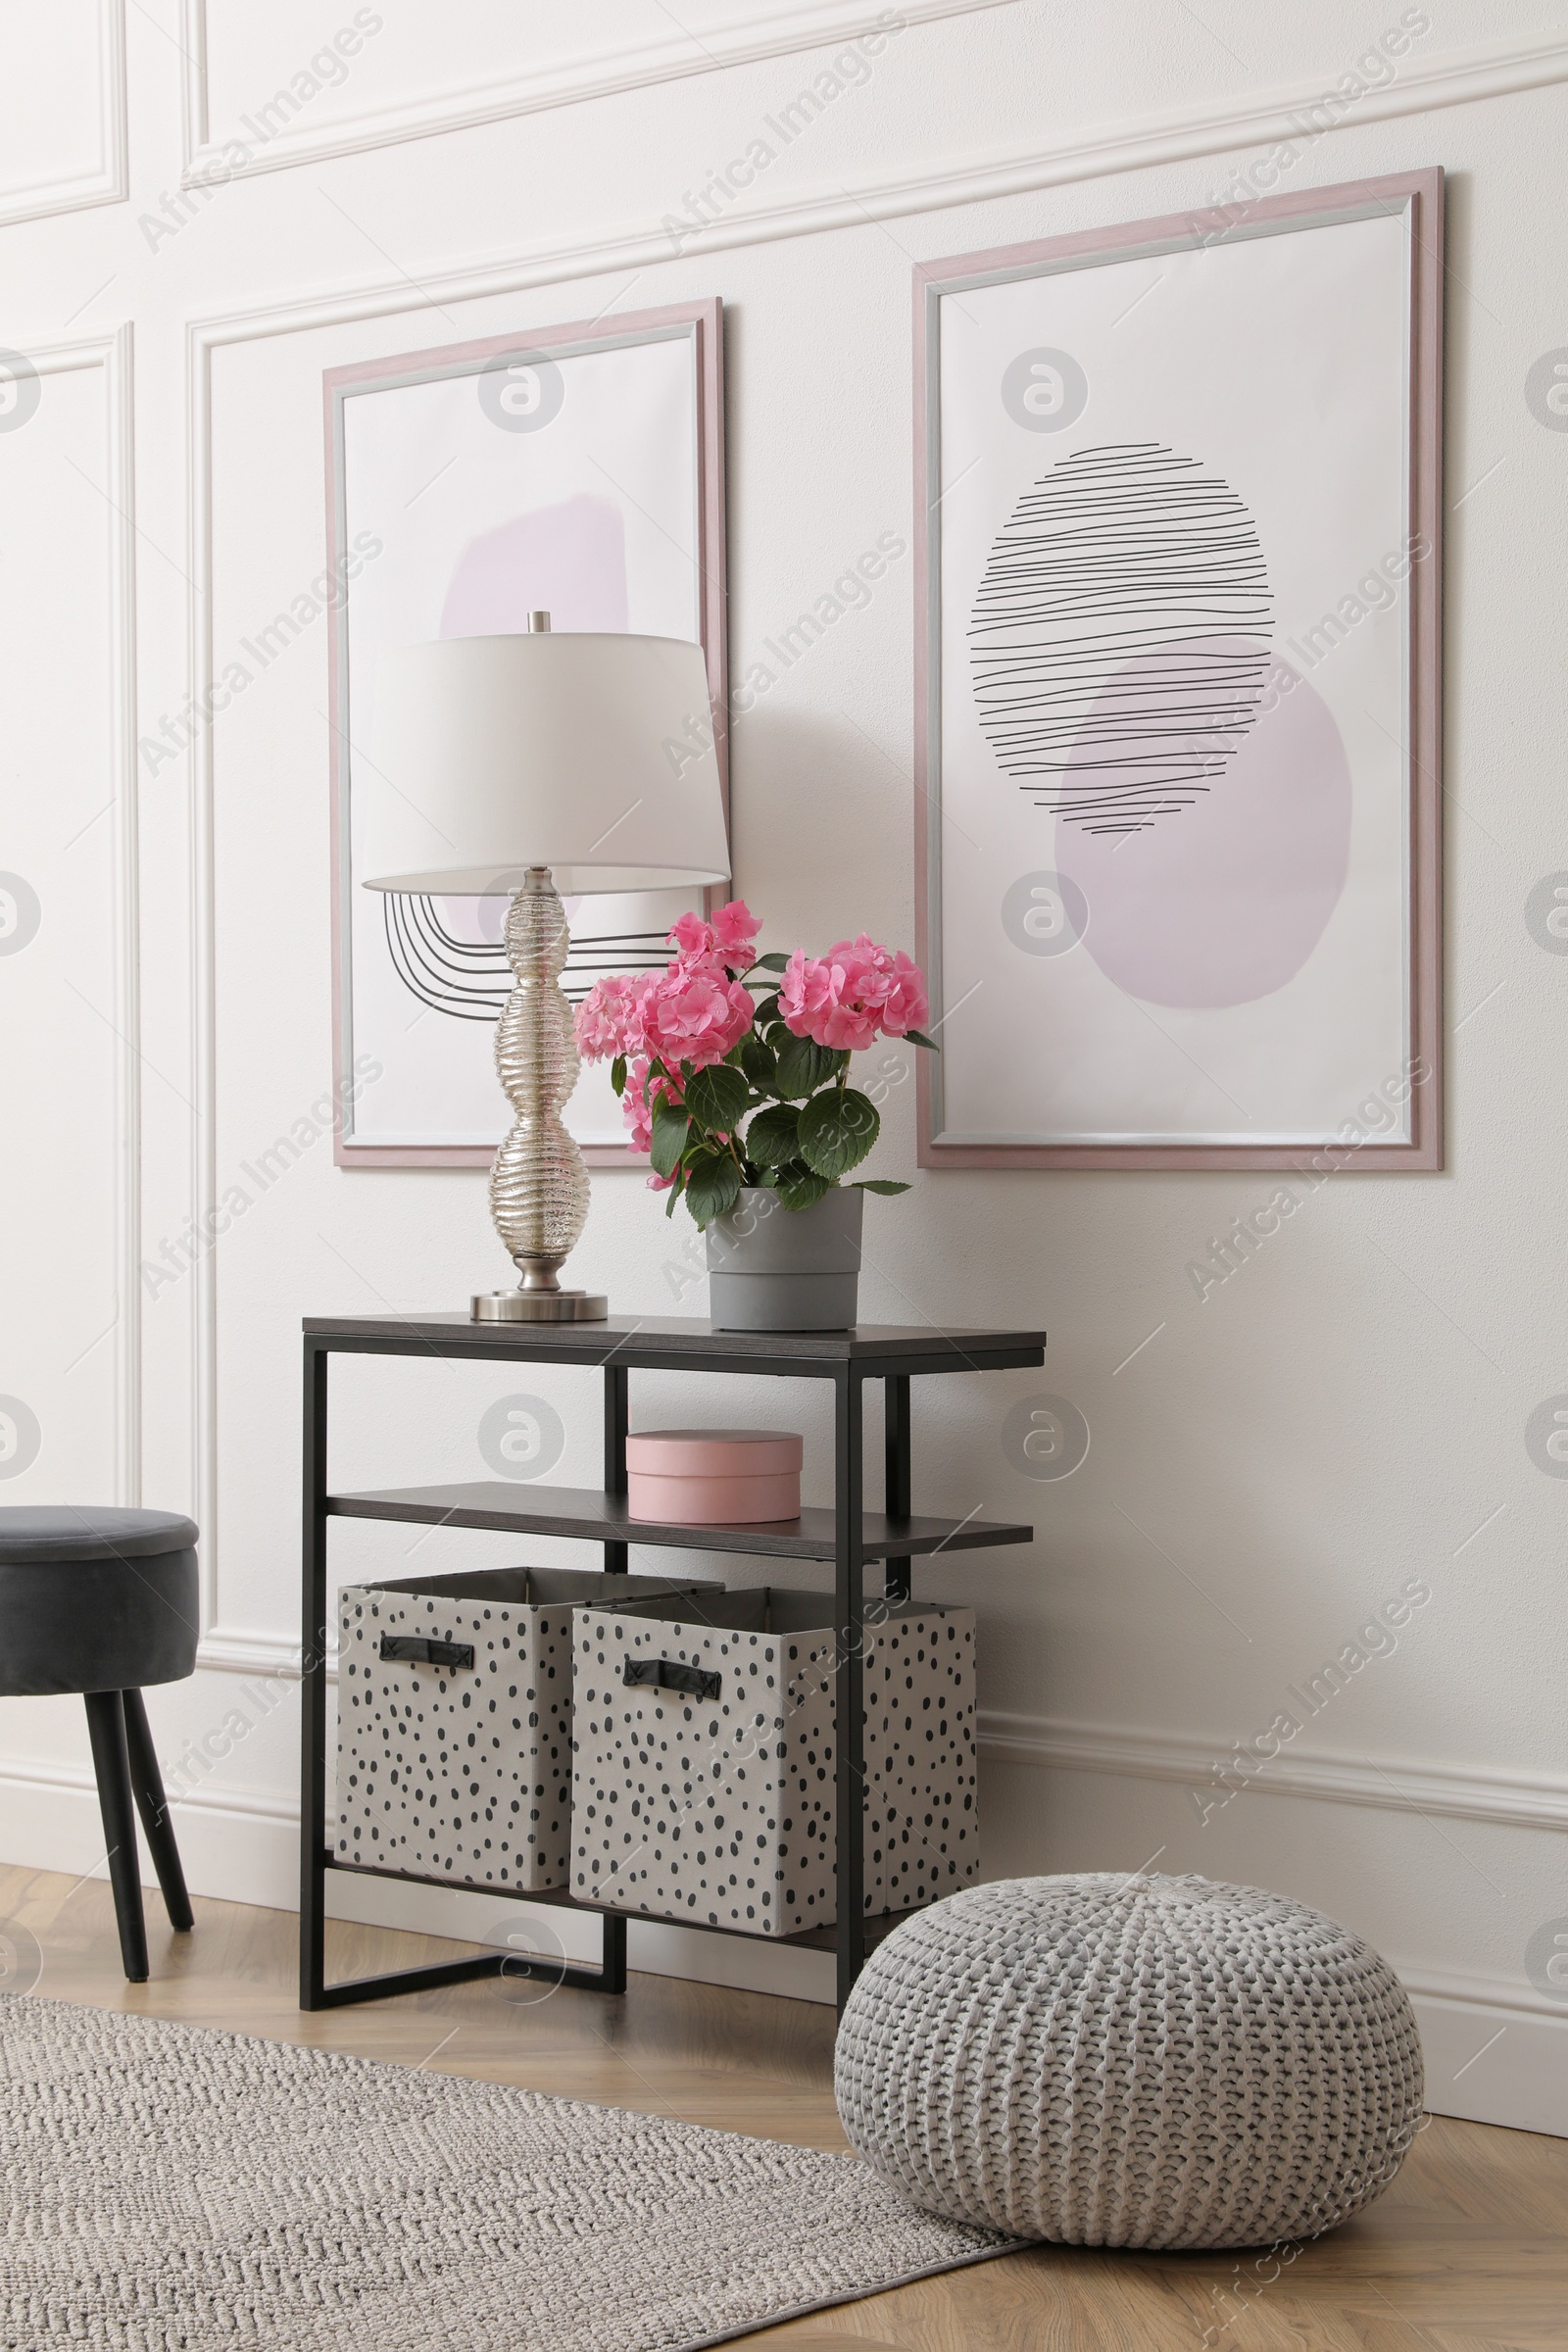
pixel 1492 2062
pixel 242 1846
pixel 1495 2052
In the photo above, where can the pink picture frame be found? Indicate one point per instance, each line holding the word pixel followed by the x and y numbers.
pixel 1419 196
pixel 703 321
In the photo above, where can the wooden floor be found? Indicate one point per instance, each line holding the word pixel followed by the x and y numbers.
pixel 1467 2252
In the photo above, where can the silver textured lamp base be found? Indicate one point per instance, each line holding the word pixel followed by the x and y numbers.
pixel 537 1306
pixel 538 1185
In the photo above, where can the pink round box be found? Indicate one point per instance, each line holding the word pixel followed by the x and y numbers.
pixel 713 1477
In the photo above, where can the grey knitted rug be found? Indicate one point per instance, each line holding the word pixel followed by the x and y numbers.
pixel 169 2189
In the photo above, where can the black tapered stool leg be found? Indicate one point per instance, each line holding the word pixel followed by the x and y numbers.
pixel 147 1787
pixel 106 1721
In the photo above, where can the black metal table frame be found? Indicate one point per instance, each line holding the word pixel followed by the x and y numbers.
pixel 542 1344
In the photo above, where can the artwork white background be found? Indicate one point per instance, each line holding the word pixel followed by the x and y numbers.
pixel 1347 1412
pixel 1279 363
pixel 428 471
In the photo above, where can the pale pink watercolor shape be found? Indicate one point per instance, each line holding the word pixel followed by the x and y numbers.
pixel 1222 902
pixel 568 561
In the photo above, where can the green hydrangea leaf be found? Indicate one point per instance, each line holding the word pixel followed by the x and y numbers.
pixel 758 1061
pixel 772 1138
pixel 717 1098
pixel 713 1183
pixel 804 1066
pixel 802 1187
pixel 671 1130
pixel 838 1128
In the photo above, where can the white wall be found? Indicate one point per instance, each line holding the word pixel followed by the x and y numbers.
pixel 1347 1415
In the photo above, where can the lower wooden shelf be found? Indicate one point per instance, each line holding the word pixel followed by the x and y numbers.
pixel 599 1518
pixel 555 1898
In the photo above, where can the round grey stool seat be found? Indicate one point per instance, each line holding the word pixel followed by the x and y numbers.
pixel 1110 2061
pixel 95 1599
pixel 104 1602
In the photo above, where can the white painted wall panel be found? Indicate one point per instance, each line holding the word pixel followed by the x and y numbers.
pixel 60 106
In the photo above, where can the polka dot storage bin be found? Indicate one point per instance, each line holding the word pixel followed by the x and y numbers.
pixel 455 1705
pixel 703 1781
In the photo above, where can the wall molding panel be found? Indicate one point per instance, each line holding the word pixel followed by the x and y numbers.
pixel 1498 70
pixel 109 180
pixel 1402 1784
pixel 773 31
pixel 118 361
pixel 112 355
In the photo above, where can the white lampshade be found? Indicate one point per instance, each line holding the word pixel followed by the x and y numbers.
pixel 588 753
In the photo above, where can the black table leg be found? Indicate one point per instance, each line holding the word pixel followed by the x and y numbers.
pixel 850 1618
pixel 106 1723
pixel 617 1407
pixel 896 1478
pixel 147 1787
pixel 315 1851
pixel 312 1688
pixel 612 1956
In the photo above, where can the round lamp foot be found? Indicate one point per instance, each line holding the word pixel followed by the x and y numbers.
pixel 537 1306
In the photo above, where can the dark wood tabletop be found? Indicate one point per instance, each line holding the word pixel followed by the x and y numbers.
pixel 626 1337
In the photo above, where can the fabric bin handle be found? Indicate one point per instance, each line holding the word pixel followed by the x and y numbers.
pixel 425 1653
pixel 667 1675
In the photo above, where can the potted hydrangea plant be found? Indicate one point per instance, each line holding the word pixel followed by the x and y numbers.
pixel 733 1074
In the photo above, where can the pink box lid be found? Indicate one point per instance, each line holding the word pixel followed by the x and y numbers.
pixel 714 1453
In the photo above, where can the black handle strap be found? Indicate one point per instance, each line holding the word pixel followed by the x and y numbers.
pixel 667 1675
pixel 424 1651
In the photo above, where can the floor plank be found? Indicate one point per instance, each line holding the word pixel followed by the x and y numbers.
pixel 1467 2251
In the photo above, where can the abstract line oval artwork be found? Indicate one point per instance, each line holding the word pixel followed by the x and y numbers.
pixel 1120 651
pixel 1125 550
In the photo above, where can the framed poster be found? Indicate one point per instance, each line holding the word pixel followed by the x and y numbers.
pixel 1178 512
pixel 577 470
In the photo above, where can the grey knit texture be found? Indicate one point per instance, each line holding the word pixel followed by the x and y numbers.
pixel 1131 2062
pixel 171 2189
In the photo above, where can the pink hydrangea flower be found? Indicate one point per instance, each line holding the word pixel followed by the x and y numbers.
pixel 899 980
pixel 735 927
pixel 635 1107
pixel 855 994
pixel 693 1013
pixel 605 1022
pixel 694 941
pixel 805 992
pixel 729 939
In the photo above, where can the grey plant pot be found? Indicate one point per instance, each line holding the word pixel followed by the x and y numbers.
pixel 771 1268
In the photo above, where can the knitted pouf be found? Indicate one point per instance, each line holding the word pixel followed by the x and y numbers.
pixel 1131 2062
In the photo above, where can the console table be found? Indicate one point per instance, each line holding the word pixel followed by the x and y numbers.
pixel 846 1535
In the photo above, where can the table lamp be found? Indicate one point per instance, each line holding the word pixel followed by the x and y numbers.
pixel 517 764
